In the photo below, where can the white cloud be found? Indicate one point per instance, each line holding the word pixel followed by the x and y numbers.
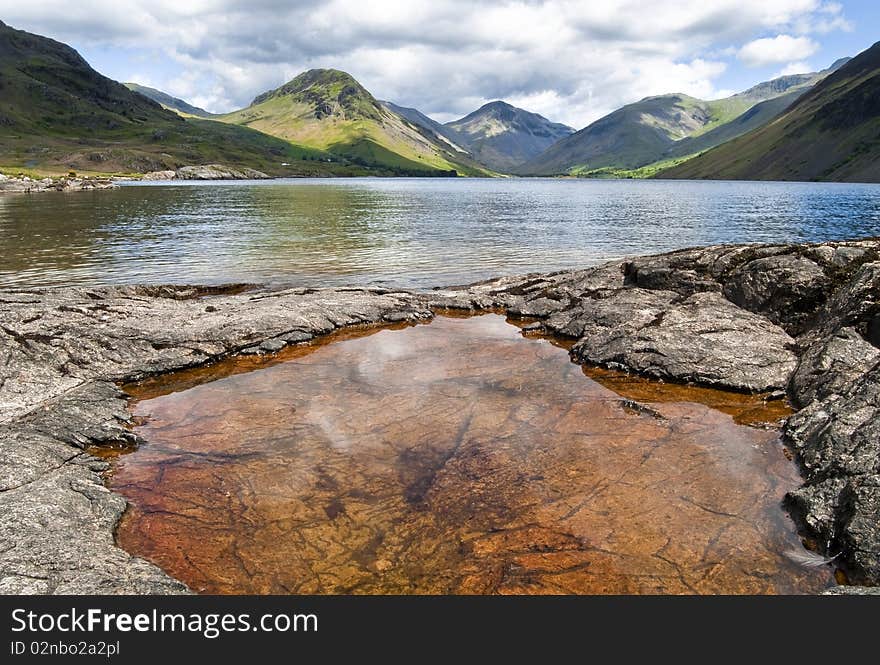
pixel 794 68
pixel 569 60
pixel 773 50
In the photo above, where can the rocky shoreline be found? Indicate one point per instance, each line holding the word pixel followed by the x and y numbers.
pixel 207 172
pixel 22 184
pixel 804 319
pixel 27 185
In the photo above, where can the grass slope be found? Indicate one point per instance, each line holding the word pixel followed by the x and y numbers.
pixel 330 111
pixel 830 133
pixel 58 114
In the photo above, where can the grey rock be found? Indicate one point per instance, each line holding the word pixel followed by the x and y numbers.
pixel 786 288
pixel 159 175
pixel 218 172
pixel 860 532
pixel 297 336
pixel 852 591
pixel 703 339
pixel 839 436
pixel 855 304
pixel 817 506
pixel 405 315
pixel 273 345
pixel 26 185
pixel 538 307
pixel 622 310
pixel 648 274
pixel 838 444
pixel 830 364
pixel 56 530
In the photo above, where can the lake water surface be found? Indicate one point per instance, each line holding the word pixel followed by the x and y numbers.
pixel 398 232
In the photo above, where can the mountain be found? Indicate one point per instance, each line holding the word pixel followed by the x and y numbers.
pixel 169 102
pixel 329 110
pixel 441 133
pixel 666 127
pixel 502 136
pixel 832 132
pixel 57 114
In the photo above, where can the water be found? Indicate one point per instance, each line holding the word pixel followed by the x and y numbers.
pixel 455 457
pixel 400 232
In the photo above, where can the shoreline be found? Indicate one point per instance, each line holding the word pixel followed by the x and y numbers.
pixel 799 318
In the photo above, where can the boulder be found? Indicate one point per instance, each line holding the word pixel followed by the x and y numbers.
pixel 830 364
pixel 786 288
pixel 855 304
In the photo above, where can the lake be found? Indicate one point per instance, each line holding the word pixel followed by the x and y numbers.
pixel 413 233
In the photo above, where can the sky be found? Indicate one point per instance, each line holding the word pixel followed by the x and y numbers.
pixel 572 61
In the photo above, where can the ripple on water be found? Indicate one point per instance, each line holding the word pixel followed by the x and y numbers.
pixel 403 232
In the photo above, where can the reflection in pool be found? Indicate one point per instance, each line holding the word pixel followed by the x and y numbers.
pixel 454 457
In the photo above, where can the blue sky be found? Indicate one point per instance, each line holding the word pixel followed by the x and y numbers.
pixel 570 60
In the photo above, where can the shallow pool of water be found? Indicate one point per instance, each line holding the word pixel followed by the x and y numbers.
pixel 455 457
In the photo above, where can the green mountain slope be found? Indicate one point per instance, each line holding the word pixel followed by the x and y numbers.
pixel 502 136
pixel 329 110
pixel 666 127
pixel 57 113
pixel 830 133
pixel 169 102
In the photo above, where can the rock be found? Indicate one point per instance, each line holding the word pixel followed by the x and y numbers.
pixel 25 185
pixel 839 436
pixel 684 281
pixel 860 511
pixel 297 336
pixel 395 317
pixel 703 339
pixel 817 506
pixel 852 591
pixel 273 345
pixel 159 175
pixel 218 172
pixel 56 529
pixel 838 443
pixel 623 309
pixel 855 304
pixel 787 288
pixel 829 365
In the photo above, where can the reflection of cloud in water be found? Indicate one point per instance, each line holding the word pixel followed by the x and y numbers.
pixel 327 420
pixel 425 460
pixel 393 361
